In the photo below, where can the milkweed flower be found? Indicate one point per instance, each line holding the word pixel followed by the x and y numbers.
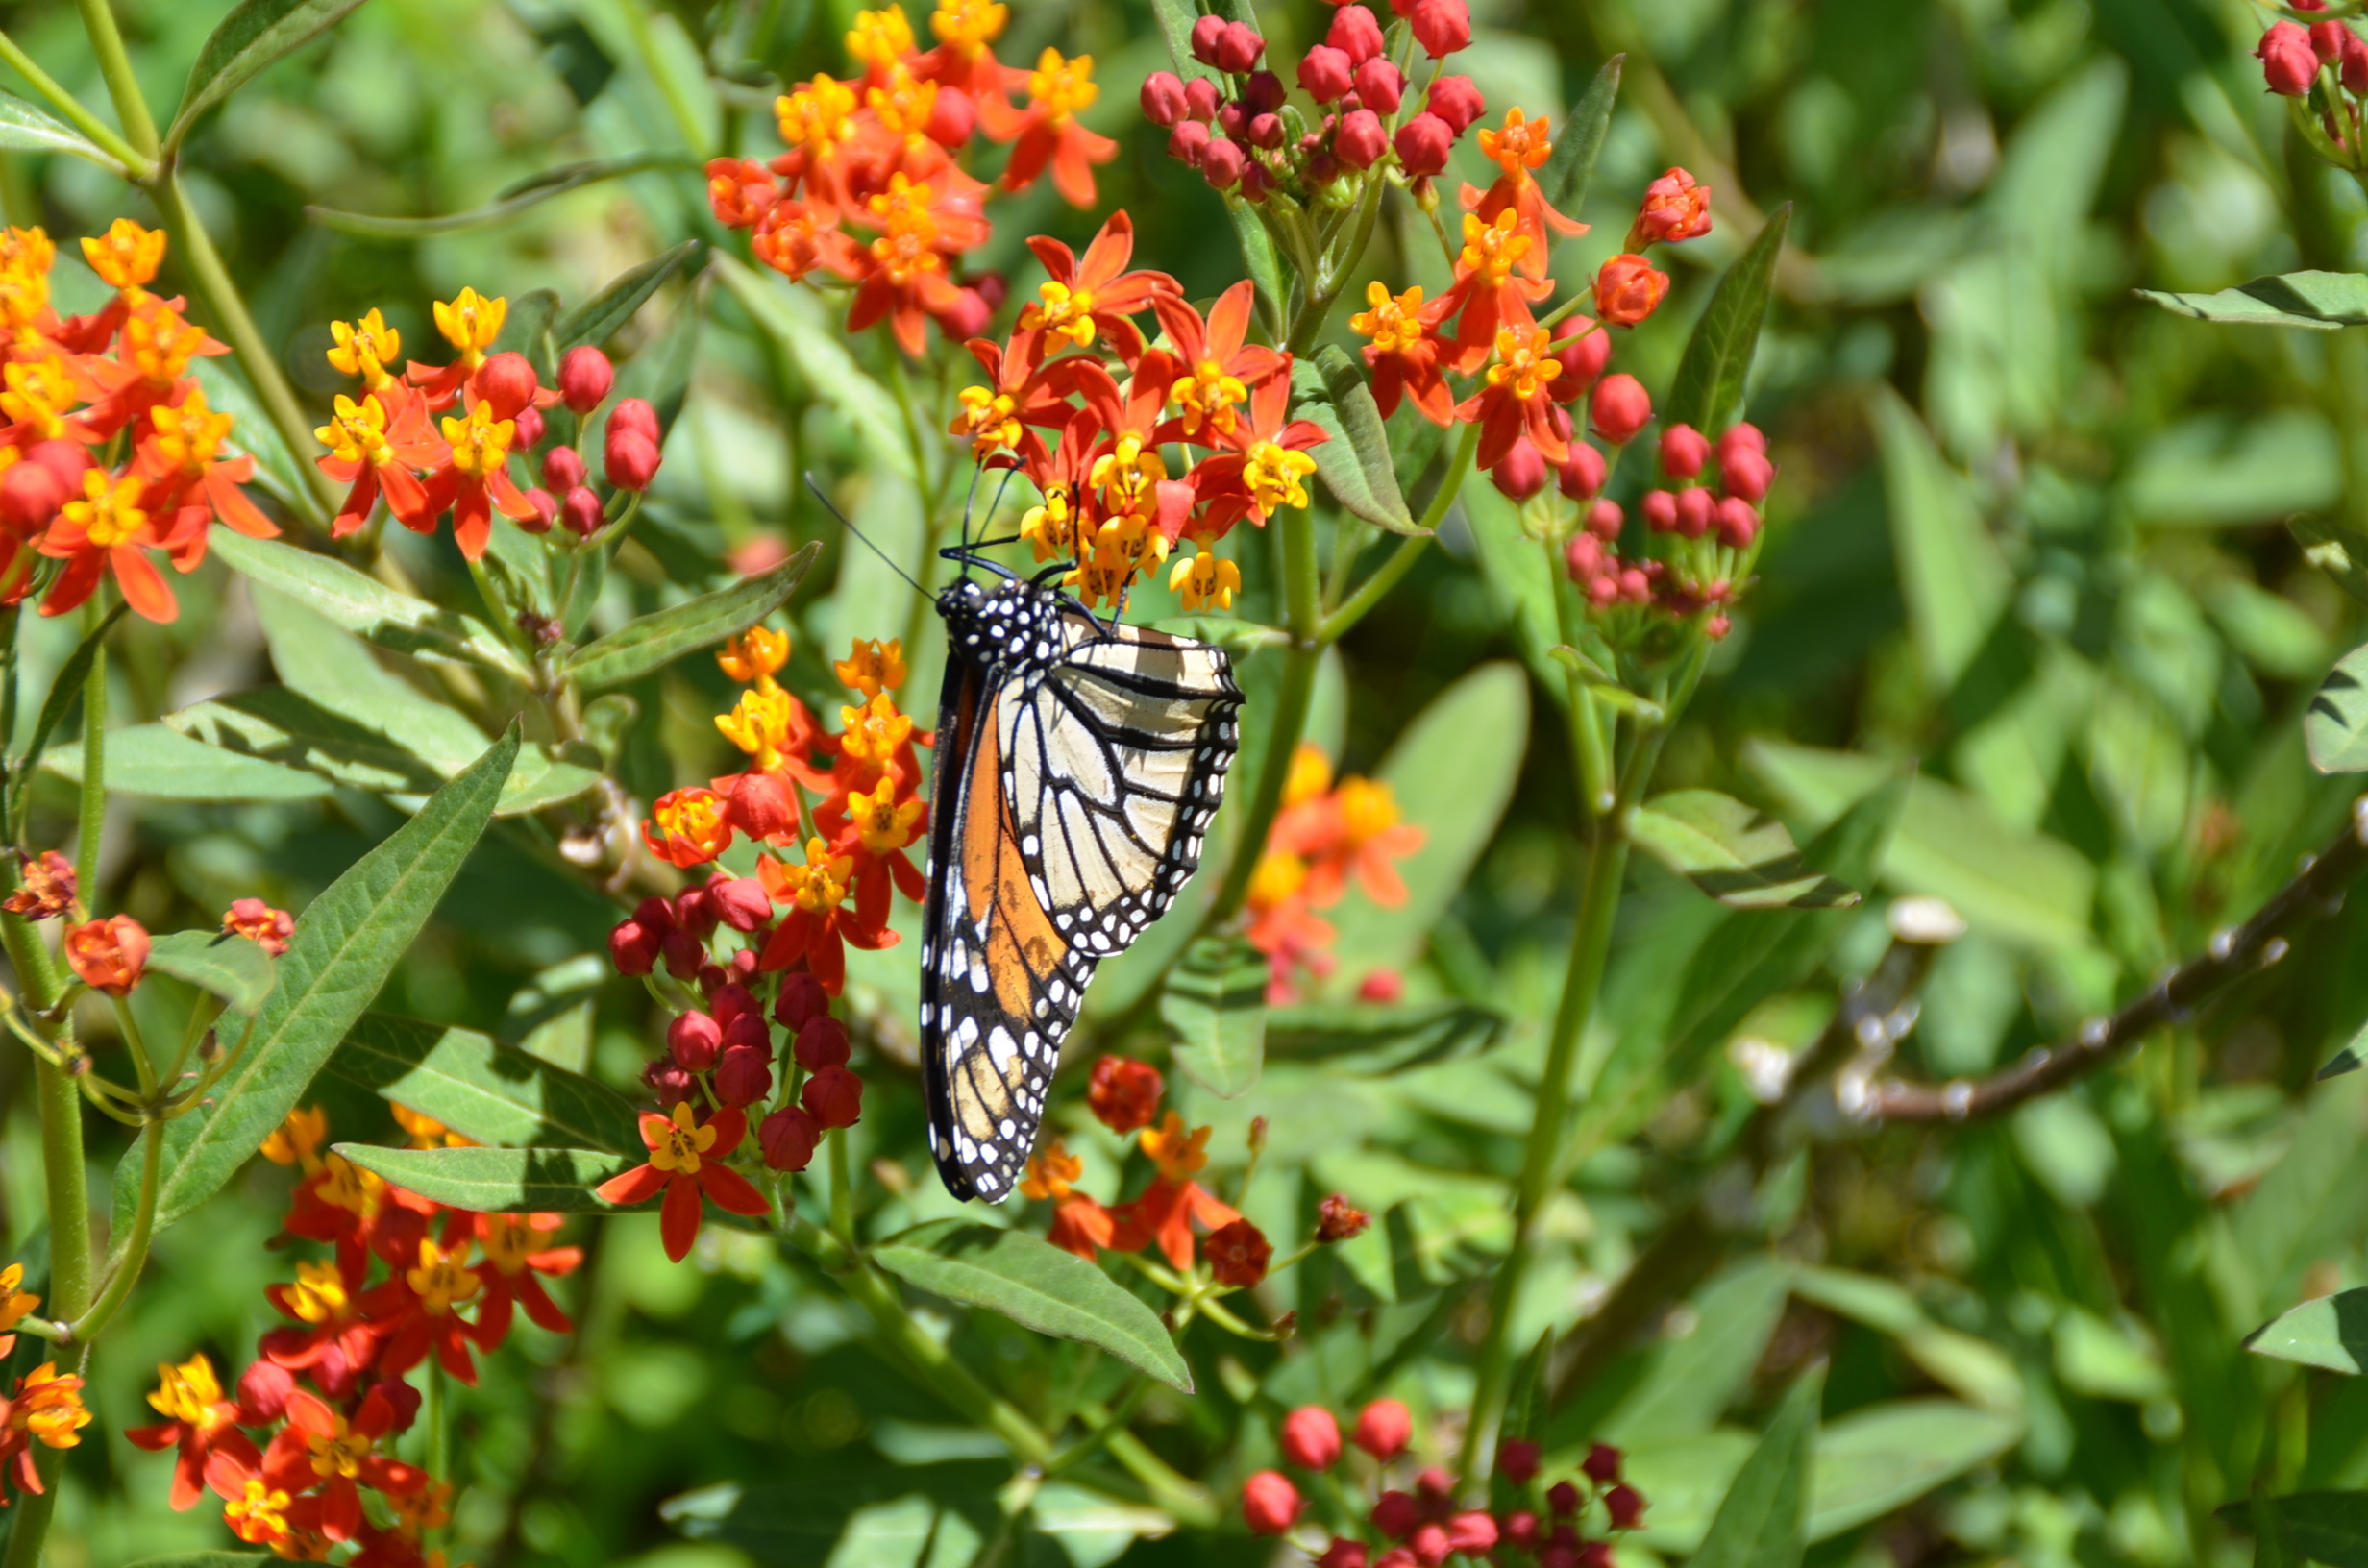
pixel 512 1260
pixel 44 888
pixel 108 955
pixel 686 1162
pixel 1404 354
pixel 1124 1094
pixel 1164 1214
pixel 1080 1224
pixel 197 1420
pixel 267 927
pixel 818 927
pixel 687 828
pixel 1048 133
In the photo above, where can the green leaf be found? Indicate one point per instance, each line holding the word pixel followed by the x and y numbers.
pixel 1355 463
pixel 1686 1383
pixel 2318 302
pixel 251 37
pixel 2324 1527
pixel 1764 1520
pixel 1038 1287
pixel 526 328
pixel 63 692
pixel 27 129
pixel 234 968
pixel 253 432
pixel 1570 168
pixel 2341 553
pixel 1739 856
pixel 483 1089
pixel 1260 260
pixel 347 941
pixel 1452 773
pixel 1527 1402
pixel 1216 1001
pixel 2214 471
pixel 793 319
pixel 1951 572
pixel 2337 726
pixel 598 319
pixel 497 1181
pixel 2272 1543
pixel 2350 1059
pixel 367 607
pixel 1974 1369
pixel 154 761
pixel 634 649
pixel 1361 1038
pixel 513 201
pixel 1708 393
pixel 2330 1331
pixel 1881 1457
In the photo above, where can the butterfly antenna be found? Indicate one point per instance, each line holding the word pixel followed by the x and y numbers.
pixel 969 503
pixel 815 485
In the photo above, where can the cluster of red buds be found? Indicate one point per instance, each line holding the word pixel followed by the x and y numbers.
pixel 2292 57
pixel 1565 1524
pixel 1239 128
pixel 1710 531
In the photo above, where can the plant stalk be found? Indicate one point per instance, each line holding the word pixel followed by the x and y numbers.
pixel 90 811
pixel 140 127
pixel 98 131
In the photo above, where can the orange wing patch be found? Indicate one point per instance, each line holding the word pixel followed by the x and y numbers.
pixel 1022 948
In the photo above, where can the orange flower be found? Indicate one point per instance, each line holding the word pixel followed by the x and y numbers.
pixel 1164 1212
pixel 182 459
pixel 1046 131
pixel 1219 370
pixel 418 1312
pixel 268 927
pixel 1628 288
pixel 107 529
pixel 475 480
pixel 687 828
pixel 1267 470
pixel 512 1260
pixel 818 926
pixel 197 1421
pixel 471 323
pixel 1675 209
pixel 1523 145
pixel 107 955
pixel 126 255
pixel 1079 1223
pixel 373 446
pixel 1517 400
pixel 1492 290
pixel 1238 1254
pixel 322 1448
pixel 903 273
pixel 1124 1094
pixel 754 657
pixel 1099 293
pixel 46 886
pixel 1404 354
pixel 686 1160
pixel 45 1408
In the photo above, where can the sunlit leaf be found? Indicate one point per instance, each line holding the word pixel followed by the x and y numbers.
pixel 1216 1001
pixel 1739 856
pixel 1707 392
pixel 251 38
pixel 2336 725
pixel 597 320
pixel 484 1089
pixel 367 607
pixel 497 1181
pixel 1762 1521
pixel 234 968
pixel 2318 302
pixel 25 128
pixel 634 649
pixel 1572 166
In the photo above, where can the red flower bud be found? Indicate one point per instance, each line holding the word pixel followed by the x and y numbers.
pixel 1455 100
pixel 1582 360
pixel 1356 34
pixel 964 316
pixel 1604 518
pixel 1188 141
pixel 821 1043
pixel 1207 33
pixel 1520 472
pixel 29 496
pixel 695 912
pixel 546 511
pixel 685 954
pixel 1737 522
pixel 1684 449
pixel 693 1041
pixel 1387 987
pixel 1473 1533
pixel 1628 288
pixel 1200 96
pixel 507 383
pixel 1521 1528
pixel 1162 98
pixel 1661 511
pixel 1626 1507
pixel 2288 62
pixel 668 1082
pixel 1361 140
pixel 731 1001
pixel 1336 1220
pixel 1326 72
pixel 1429 1544
pixel 1122 1094
pixel 528 434
pixel 1266 132
pixel 585 377
pixel 1441 26
pixel 787 1138
pixel 1257 182
pixel 1696 509
pixel 1745 473
pixel 1263 93
pixel 634 947
pixel 1232 120
pixel 1343 1552
pixel 833 1096
pixel 2354 58
pixel 1674 209
pixel 759 805
pixel 636 414
pixel 1381 85
pixel 262 1394
pixel 2326 40
pixel 1322 169
pixel 1563 1498
pixel 1601 1464
pixel 744 1076
pixel 953 115
pixel 801 1001
pixel 1311 1438
pixel 1270 1503
pixel 1238 49
pixel 1383 1429
pixel 631 458
pixel 740 902
pixel 1395 1515
pixel 1583 558
pixel 1222 163
pixel 1582 473
pixel 581 512
pixel 1516 1458
pixel 1423 143
pixel 1619 408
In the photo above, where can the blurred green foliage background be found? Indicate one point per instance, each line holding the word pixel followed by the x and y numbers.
pixel 2027 530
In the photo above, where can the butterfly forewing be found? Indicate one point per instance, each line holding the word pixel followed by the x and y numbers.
pixel 1081 765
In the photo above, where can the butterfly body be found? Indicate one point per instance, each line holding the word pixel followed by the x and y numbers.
pixel 1079 763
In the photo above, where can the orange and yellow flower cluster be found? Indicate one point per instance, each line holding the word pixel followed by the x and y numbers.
pixel 871 191
pixel 1325 834
pixel 309 1430
pixel 43 1407
pixel 116 382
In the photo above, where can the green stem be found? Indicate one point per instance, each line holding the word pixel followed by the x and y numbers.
pixel 122 84
pixel 134 1255
pixel 842 1194
pixel 72 107
pixel 91 807
pixel 695 136
pixel 939 1371
pixel 229 310
pixel 1410 550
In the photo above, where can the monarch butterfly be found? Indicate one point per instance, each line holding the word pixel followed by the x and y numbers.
pixel 1079 763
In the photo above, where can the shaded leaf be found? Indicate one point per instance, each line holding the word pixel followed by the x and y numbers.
pixel 1882 1457
pixel 1362 1038
pixel 793 319
pixel 2272 1543
pixel 2324 1527
pixel 1707 392
pixel 1974 1369
pixel 154 761
pixel 234 968
pixel 484 1089
pixel 347 941
pixel 2337 726
pixel 497 1181
pixel 1216 1001
pixel 2347 1060
pixel 1355 463
pixel 1951 572
pixel 25 128
pixel 2330 1331
pixel 367 607
pixel 1763 1522
pixel 526 328
pixel 1038 1287
pixel 64 692
pixel 251 38
pixel 597 320
pixel 2318 302
pixel 1260 259
pixel 1572 166
pixel 1739 856
pixel 634 649
pixel 514 200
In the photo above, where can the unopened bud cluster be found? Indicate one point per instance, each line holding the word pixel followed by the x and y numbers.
pixel 1240 130
pixel 629 455
pixel 1711 528
pixel 2324 67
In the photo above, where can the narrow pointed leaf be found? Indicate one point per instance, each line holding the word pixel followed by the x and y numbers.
pixel 1216 1001
pixel 2330 1331
pixel 2324 1527
pixel 1572 166
pixel 2335 726
pixel 2272 1543
pixel 2350 1059
pixel 1708 393
pixel 1038 1287
pixel 1260 258
pixel 347 941
pixel 2317 301
pixel 157 762
pixel 513 201
pixel 1764 1520
pixel 1363 1039
pixel 252 37
pixel 597 320
pixel 63 692
pixel 794 320
pixel 484 1089
pixel 27 129
pixel 234 968
pixel 1952 573
pixel 367 607
pixel 1739 856
pixel 497 1181
pixel 1356 464
pixel 633 650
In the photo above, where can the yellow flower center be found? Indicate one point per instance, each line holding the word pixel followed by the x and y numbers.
pixel 991 419
pixel 126 255
pixel 1205 579
pixel 26 255
pixel 260 1514
pixel 480 442
pixel 1206 397
pixel 365 348
pixel 1520 146
pixel 817 115
pixel 751 657
pixel 440 1281
pixel 507 1241
pixel 907 248
pixel 338 1454
pixel 872 667
pixel 1051 528
pixel 1128 476
pixel 1062 311
pixel 873 731
pixel 1526 366
pixel 1277 877
pixel 357 431
pixel 1049 1173
pixel 880 39
pixel 696 817
pixel 1310 775
pixel 1394 324
pixel 1177 1153
pixel 1062 87
pixel 819 885
pixel 108 514
pixel 159 343
pixel 882 824
pixel 187 1392
pixel 1492 250
pixel 1369 808
pixel 967 26
pixel 318 1295
pixel 683 1142
pixel 346 1186
pixel 1277 475
pixel 904 105
pixel 190 436
pixel 760 725
pixel 36 392
pixel 471 323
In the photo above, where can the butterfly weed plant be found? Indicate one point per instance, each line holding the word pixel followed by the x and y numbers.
pixel 940 1041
